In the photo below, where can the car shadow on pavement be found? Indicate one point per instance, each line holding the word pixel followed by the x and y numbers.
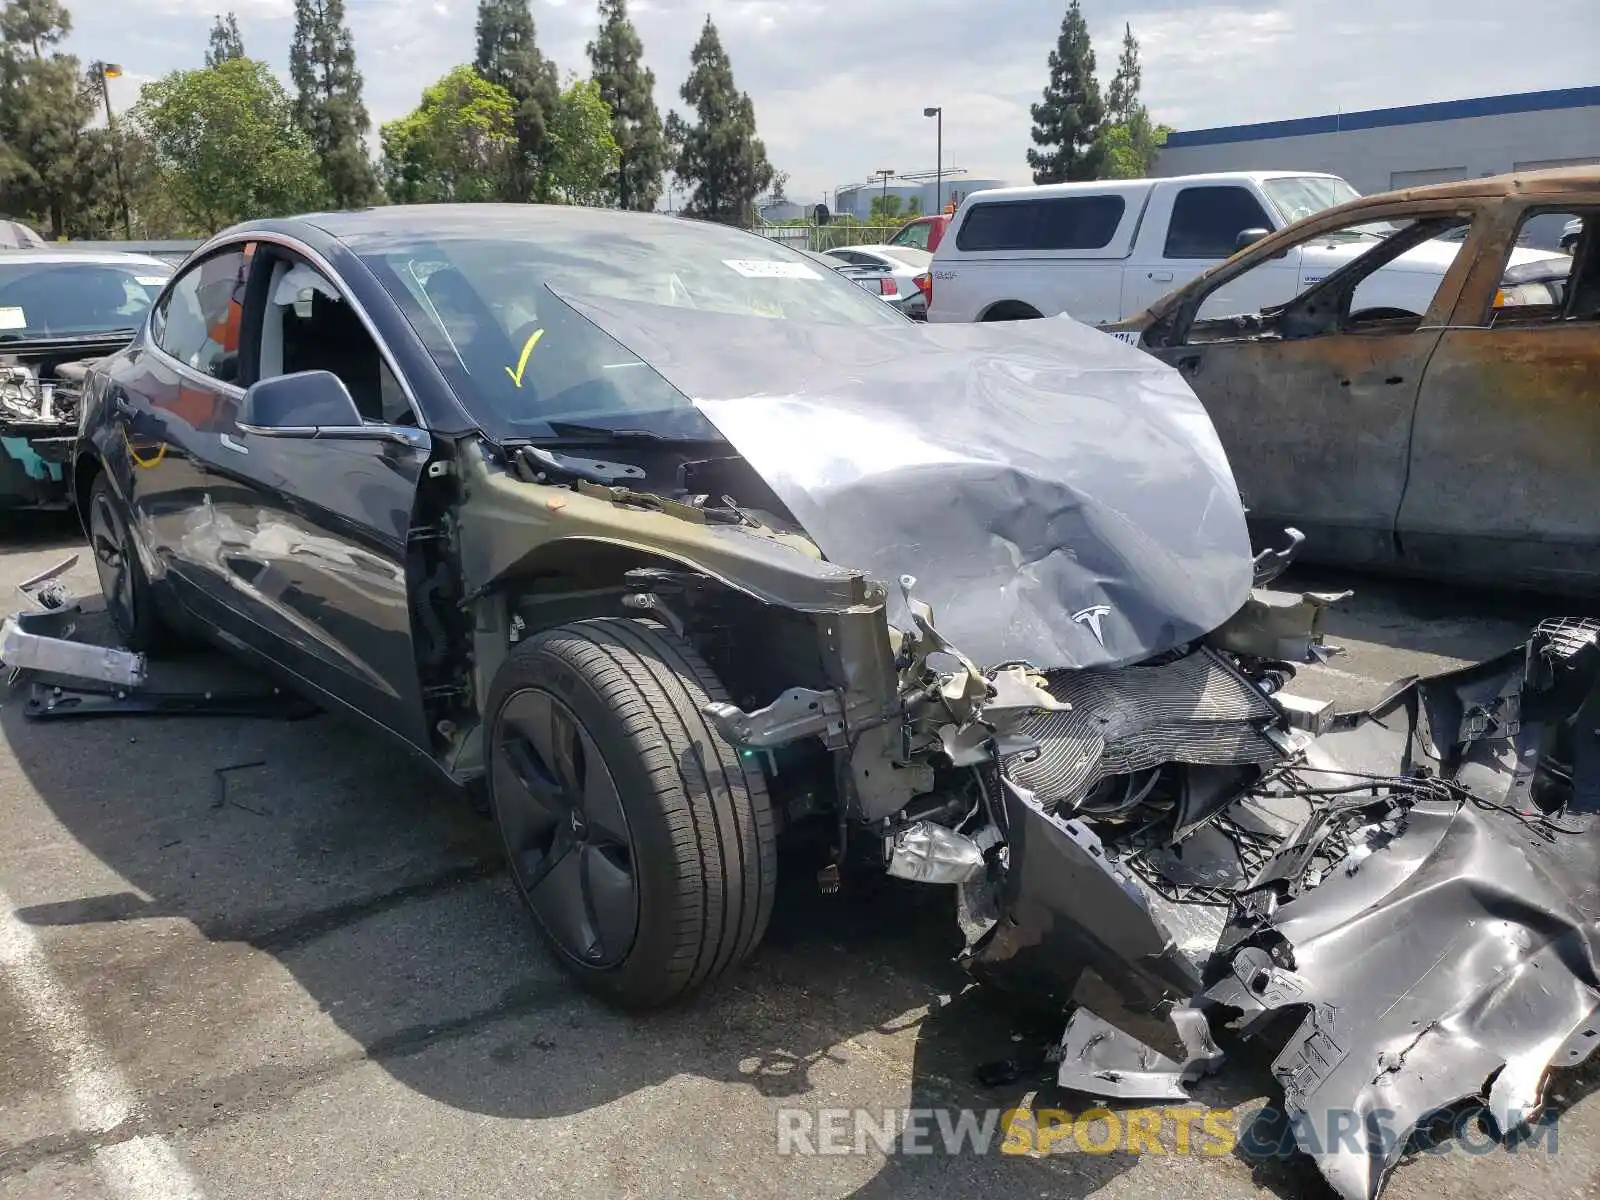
pixel 381 894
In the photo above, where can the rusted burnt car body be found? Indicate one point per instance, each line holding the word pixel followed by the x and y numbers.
pixel 1459 442
pixel 679 543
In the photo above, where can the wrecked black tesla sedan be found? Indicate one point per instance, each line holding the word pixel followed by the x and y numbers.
pixel 60 309
pixel 677 541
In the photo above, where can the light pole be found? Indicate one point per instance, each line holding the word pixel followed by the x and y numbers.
pixel 887 173
pixel 938 172
pixel 104 73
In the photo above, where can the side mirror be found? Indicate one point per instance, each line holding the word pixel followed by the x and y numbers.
pixel 305 404
pixel 1249 237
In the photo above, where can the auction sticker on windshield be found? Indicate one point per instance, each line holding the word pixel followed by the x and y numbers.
pixel 13 318
pixel 752 268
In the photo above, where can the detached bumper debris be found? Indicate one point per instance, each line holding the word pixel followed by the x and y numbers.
pixel 70 678
pixel 1420 882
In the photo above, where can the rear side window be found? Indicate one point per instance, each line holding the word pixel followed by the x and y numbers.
pixel 1207 221
pixel 1055 223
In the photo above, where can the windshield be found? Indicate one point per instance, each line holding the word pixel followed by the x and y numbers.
pixel 1297 197
pixel 41 300
pixel 489 309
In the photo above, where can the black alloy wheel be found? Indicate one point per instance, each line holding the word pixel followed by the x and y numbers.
pixel 565 830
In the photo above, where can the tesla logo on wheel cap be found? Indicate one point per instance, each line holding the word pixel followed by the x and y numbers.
pixel 1090 619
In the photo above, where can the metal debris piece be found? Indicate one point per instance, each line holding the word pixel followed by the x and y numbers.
pixel 26 650
pixel 929 853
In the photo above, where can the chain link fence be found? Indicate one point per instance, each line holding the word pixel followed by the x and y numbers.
pixel 828 237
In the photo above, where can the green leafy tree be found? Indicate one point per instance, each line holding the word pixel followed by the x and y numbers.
pixel 628 87
pixel 719 157
pixel 50 165
pixel 328 105
pixel 584 155
pixel 508 57
pixel 892 209
pixel 1067 120
pixel 456 146
pixel 226 145
pixel 1128 141
pixel 226 42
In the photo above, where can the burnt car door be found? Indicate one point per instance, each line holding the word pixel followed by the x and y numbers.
pixel 1313 399
pixel 1503 483
pixel 310 531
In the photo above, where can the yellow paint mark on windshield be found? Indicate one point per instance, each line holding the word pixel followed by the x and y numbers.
pixel 527 353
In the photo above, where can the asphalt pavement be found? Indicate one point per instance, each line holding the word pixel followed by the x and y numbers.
pixel 263 958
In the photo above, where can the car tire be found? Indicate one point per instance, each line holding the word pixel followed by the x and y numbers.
pixel 130 602
pixel 642 842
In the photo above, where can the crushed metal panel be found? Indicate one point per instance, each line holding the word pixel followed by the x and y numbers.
pixel 1025 471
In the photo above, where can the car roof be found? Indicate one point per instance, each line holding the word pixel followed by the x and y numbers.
pixel 1035 190
pixel 481 219
pixel 65 254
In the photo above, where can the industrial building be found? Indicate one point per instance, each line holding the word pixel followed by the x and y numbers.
pixel 922 190
pixel 1385 148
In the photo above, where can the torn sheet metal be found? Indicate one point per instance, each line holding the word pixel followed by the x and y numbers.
pixel 1063 497
pixel 1098 1058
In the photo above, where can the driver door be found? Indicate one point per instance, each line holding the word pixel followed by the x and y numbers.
pixel 312 535
pixel 1313 408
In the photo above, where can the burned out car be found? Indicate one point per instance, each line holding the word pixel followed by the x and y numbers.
pixel 678 542
pixel 59 311
pixel 1454 438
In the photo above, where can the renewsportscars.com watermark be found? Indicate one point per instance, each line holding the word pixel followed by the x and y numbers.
pixel 1194 1130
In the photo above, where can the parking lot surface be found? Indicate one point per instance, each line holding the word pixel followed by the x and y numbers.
pixel 309 976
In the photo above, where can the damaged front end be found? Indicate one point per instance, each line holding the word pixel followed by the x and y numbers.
pixel 41 392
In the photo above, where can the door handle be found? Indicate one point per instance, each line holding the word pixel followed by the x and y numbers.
pixel 1161 276
pixel 228 443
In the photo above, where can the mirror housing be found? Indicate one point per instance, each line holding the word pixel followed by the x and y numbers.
pixel 305 404
pixel 1249 237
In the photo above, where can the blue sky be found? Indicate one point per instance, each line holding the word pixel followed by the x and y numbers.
pixel 839 88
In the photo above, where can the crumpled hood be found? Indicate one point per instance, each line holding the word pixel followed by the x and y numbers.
pixel 1060 497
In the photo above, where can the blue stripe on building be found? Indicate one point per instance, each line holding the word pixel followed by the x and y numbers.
pixel 1379 118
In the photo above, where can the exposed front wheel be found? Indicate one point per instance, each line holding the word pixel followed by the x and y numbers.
pixel 123 583
pixel 641 841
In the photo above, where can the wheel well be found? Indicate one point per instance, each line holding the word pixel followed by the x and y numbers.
pixel 1011 310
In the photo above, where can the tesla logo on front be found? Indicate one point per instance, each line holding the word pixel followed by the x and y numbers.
pixel 1090 619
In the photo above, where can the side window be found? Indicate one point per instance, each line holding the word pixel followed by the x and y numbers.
pixel 1051 223
pixel 1389 274
pixel 1207 221
pixel 308 326
pixel 914 235
pixel 198 322
pixel 1550 272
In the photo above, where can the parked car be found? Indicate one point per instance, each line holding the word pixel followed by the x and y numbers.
pixel 921 233
pixel 870 278
pixel 1457 440
pixel 894 270
pixel 445 474
pixel 59 310
pixel 14 235
pixel 1102 251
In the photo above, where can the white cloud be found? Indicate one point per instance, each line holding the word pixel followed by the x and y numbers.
pixel 839 89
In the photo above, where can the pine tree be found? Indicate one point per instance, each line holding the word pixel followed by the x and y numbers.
pixel 1067 121
pixel 322 64
pixel 35 23
pixel 226 44
pixel 508 57
pixel 628 87
pixel 1122 97
pixel 719 157
pixel 1128 142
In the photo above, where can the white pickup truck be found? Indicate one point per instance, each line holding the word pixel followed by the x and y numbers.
pixel 1103 251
